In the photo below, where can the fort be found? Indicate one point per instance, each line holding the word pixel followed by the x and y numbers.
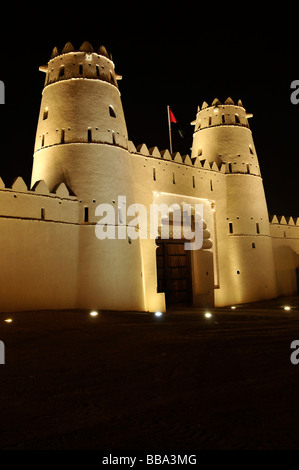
pixel 51 257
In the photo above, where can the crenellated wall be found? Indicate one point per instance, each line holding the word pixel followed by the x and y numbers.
pixel 285 239
pixel 242 246
pixel 39 247
pixel 40 233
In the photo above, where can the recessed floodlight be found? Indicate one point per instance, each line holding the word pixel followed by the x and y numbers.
pixel 233 307
pixel 8 320
pixel 158 314
pixel 208 315
pixel 286 307
pixel 93 313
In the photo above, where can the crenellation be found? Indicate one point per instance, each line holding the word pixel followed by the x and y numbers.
pixel 205 164
pixel 214 167
pixel 166 154
pixel 196 162
pixel 40 187
pixel 154 152
pixel 291 221
pixel 273 219
pixel 187 160
pixel 176 157
pixel 68 47
pixel 284 220
pixel 19 185
pixel 142 149
pixel 62 191
pixel 131 147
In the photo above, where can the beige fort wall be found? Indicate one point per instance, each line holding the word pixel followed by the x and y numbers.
pixel 39 248
pixel 41 233
pixel 285 239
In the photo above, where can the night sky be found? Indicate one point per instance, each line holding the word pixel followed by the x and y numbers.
pixel 178 64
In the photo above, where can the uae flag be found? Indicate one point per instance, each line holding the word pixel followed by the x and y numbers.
pixel 171 116
pixel 172 119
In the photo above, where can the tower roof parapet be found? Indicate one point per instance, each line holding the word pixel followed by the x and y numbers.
pixel 216 102
pixel 85 47
pixel 85 62
pixel 219 114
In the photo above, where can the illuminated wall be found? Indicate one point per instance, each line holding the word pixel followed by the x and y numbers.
pixel 51 257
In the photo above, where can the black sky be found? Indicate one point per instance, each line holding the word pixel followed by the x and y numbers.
pixel 180 63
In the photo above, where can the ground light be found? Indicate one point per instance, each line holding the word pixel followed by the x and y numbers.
pixel 158 314
pixel 8 320
pixel 233 307
pixel 94 313
pixel 287 307
pixel 208 315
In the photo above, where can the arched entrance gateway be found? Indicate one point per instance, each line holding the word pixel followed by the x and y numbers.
pixel 184 273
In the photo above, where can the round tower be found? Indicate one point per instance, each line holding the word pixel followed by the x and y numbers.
pixel 246 265
pixel 222 135
pixel 82 140
pixel 80 111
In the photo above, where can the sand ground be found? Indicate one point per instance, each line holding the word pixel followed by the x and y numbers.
pixel 128 381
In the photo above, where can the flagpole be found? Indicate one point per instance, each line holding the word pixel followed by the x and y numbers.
pixel 169 127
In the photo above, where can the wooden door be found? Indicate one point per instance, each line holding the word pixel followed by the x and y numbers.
pixel 174 272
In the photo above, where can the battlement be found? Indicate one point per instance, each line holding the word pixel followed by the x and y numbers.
pixel 18 185
pixel 85 47
pixel 284 220
pixel 218 114
pixel 175 157
pixel 286 228
pixel 38 203
pixel 197 162
pixel 81 63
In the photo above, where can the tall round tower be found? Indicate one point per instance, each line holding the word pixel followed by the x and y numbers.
pixel 222 135
pixel 82 140
pixel 80 111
